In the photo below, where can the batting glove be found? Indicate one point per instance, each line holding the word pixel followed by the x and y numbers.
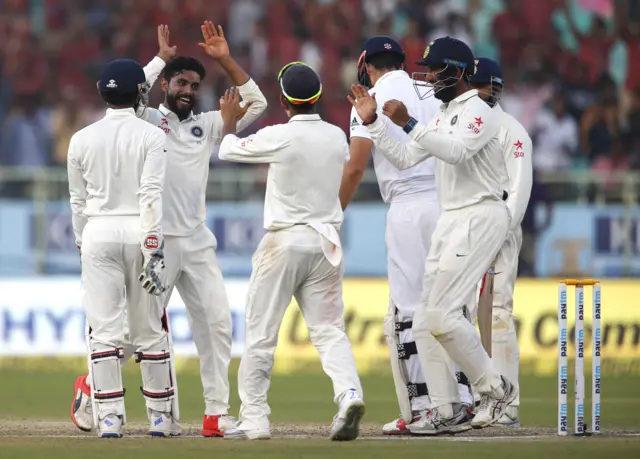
pixel 152 266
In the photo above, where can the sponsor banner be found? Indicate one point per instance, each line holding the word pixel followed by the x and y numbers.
pixel 536 309
pixel 43 317
pixel 40 239
pixel 590 241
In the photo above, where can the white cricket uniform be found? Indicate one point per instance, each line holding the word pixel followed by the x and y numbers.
pixel 116 170
pixel 517 181
pixel 411 219
pixel 300 256
pixel 190 257
pixel 469 234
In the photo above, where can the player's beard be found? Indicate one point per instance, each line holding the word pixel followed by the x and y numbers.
pixel 181 108
pixel 445 87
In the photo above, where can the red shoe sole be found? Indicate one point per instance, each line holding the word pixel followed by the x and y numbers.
pixel 212 434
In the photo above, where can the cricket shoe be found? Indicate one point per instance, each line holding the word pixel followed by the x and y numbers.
pixel 346 424
pixel 216 426
pixel 163 425
pixel 432 423
pixel 510 418
pixel 81 408
pixel 238 433
pixel 110 426
pixel 493 405
pixel 399 426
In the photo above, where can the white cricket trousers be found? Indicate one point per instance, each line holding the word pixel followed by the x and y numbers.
pixel 505 351
pixel 192 268
pixel 411 221
pixel 290 263
pixel 464 245
pixel 111 263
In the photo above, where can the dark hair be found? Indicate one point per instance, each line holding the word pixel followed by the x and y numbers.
pixel 304 109
pixel 120 99
pixel 386 61
pixel 180 64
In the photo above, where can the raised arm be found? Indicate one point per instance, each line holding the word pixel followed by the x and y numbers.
pixel 77 190
pixel 253 101
pixel 261 147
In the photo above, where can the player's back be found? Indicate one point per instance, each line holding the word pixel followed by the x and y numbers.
pixel 304 179
pixel 111 154
pixel 393 182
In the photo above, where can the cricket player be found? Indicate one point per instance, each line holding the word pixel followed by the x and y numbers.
pixel 192 266
pixel 411 219
pixel 301 254
pixel 116 172
pixel 517 180
pixel 469 234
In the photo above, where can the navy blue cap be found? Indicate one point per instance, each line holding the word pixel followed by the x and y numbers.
pixel 381 44
pixel 122 76
pixel 300 83
pixel 448 51
pixel 488 71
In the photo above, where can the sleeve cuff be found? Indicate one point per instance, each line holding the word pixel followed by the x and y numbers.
pixel 249 87
pixel 377 126
pixel 158 62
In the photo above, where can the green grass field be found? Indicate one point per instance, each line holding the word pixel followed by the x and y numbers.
pixel 34 421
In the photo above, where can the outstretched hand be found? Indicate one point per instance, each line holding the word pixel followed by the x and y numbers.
pixel 166 52
pixel 215 44
pixel 230 109
pixel 364 103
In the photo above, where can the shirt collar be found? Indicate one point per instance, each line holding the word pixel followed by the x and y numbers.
pixel 120 111
pixel 168 113
pixel 392 75
pixel 460 99
pixel 311 117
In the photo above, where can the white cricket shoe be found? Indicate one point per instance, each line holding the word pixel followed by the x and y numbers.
pixel 399 426
pixel 238 433
pixel 110 426
pixel 163 425
pixel 510 418
pixel 346 424
pixel 493 405
pixel 81 409
pixel 432 423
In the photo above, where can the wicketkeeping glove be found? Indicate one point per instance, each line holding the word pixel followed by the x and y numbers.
pixel 152 266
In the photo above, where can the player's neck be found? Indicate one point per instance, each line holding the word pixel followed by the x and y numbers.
pixel 377 74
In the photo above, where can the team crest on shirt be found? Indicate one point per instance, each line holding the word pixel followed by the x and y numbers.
pixel 197 131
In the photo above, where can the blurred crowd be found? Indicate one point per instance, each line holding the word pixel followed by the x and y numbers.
pixel 572 67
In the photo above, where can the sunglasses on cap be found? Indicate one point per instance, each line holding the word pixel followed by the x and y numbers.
pixel 293 100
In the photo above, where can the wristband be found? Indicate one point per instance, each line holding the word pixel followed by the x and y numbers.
pixel 373 120
pixel 410 125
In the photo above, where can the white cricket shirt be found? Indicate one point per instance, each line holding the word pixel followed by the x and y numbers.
pixel 464 137
pixel 116 167
pixel 392 181
pixel 190 144
pixel 306 157
pixel 518 177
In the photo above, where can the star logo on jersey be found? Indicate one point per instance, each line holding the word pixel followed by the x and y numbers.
pixel 197 131
pixel 519 153
pixel 478 121
pixel 518 145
